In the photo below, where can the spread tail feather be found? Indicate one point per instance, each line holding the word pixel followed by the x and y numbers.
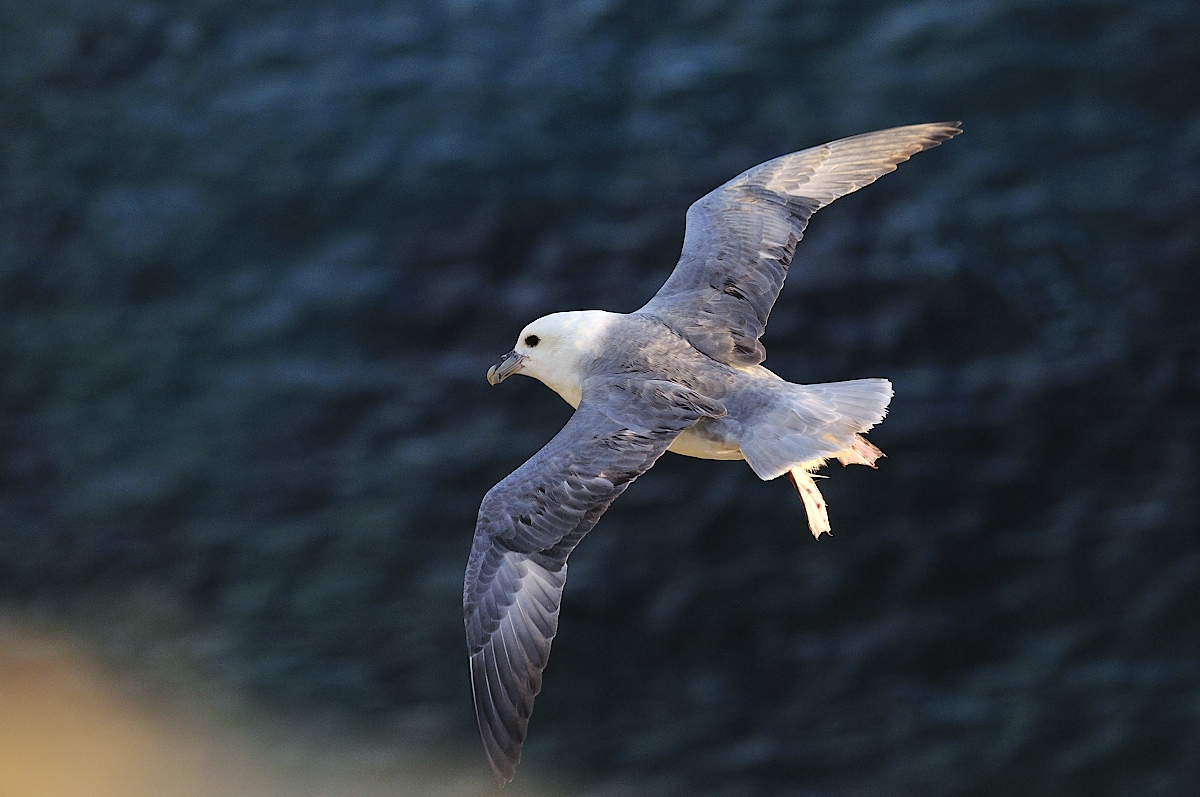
pixel 812 423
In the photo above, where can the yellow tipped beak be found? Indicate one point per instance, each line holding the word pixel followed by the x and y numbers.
pixel 509 365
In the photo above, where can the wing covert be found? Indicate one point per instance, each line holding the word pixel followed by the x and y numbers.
pixel 740 237
pixel 528 525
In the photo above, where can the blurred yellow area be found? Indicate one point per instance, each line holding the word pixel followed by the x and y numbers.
pixel 69 729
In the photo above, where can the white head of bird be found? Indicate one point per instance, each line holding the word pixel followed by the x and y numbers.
pixel 556 350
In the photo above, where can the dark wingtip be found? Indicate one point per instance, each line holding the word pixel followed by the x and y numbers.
pixel 502 750
pixel 503 767
pixel 944 131
pixel 503 763
pixel 499 777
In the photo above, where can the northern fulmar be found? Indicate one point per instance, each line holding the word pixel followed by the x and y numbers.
pixel 681 374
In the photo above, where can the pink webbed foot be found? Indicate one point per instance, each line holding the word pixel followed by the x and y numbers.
pixel 860 452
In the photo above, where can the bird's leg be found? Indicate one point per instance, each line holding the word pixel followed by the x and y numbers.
pixel 814 502
pixel 860 452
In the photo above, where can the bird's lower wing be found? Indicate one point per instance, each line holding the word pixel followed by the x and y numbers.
pixel 528 525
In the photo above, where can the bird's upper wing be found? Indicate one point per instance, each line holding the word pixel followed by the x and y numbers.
pixel 528 525
pixel 740 237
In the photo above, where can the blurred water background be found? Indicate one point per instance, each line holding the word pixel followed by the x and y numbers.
pixel 255 258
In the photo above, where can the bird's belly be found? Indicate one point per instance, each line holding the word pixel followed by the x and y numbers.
pixel 700 441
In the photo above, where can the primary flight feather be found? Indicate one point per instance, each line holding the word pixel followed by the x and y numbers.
pixel 681 374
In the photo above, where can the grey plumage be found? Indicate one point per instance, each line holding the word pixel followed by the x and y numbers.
pixel 528 525
pixel 740 238
pixel 682 373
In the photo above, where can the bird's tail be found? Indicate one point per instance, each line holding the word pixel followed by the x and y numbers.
pixel 809 424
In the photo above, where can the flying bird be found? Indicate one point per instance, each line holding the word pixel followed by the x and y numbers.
pixel 681 374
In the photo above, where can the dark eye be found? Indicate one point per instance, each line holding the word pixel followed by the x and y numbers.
pixel 532 340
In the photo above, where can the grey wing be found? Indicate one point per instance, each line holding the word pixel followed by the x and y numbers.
pixel 740 237
pixel 528 525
